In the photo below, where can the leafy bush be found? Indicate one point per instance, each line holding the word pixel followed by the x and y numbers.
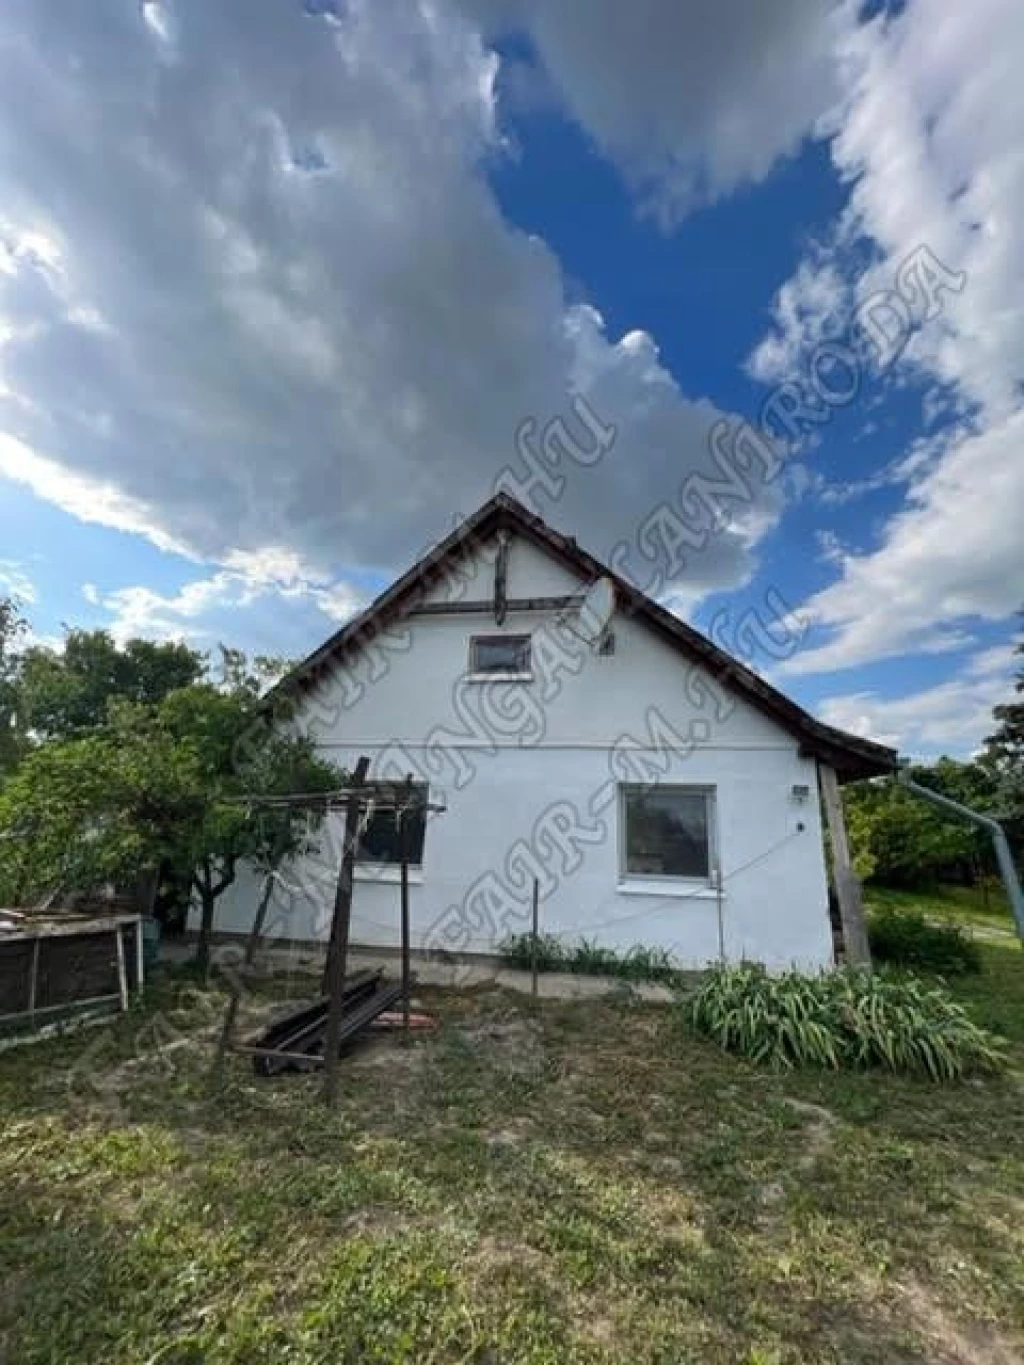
pixel 587 958
pixel 851 1018
pixel 904 938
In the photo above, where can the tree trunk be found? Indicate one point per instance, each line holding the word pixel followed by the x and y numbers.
pixel 209 904
pixel 209 891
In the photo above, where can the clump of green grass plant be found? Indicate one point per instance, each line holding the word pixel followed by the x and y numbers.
pixel 588 958
pixel 848 1019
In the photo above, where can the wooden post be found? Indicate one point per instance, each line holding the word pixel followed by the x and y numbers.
pixel 533 943
pixel 140 958
pixel 403 836
pixel 851 909
pixel 337 951
pixel 122 970
pixel 501 579
pixel 33 982
pixel 237 984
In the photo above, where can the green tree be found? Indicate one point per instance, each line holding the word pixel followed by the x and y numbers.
pixel 898 839
pixel 245 755
pixel 860 819
pixel 183 784
pixel 12 628
pixel 67 692
pixel 1003 757
pixel 80 813
pixel 237 672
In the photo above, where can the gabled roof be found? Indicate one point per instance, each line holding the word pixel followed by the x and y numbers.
pixel 851 756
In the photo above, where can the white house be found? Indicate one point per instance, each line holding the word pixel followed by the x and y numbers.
pixel 657 790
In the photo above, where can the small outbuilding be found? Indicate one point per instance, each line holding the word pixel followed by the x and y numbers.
pixel 55 966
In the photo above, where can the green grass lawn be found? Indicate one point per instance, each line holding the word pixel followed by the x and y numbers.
pixel 536 1182
pixel 969 906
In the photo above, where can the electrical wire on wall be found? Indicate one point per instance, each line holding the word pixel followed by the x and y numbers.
pixel 699 893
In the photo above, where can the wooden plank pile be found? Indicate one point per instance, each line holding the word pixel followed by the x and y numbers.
pixel 298 1041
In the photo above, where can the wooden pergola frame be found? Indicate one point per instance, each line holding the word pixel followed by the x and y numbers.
pixel 357 799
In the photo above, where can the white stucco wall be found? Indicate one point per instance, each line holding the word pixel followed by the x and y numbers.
pixel 529 773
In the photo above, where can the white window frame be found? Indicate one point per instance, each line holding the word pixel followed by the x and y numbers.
pixel 652 881
pixel 475 674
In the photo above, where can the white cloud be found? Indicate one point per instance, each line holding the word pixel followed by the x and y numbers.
pixel 953 717
pixel 160 21
pixel 291 331
pixel 952 555
pixel 249 598
pixel 141 611
pixel 996 663
pixel 274 565
pixel 907 467
pixel 811 305
pixel 928 135
pixel 339 602
pixel 291 314
pixel 689 99
pixel 230 606
pixel 89 499
pixel 15 582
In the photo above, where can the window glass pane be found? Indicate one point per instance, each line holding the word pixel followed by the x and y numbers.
pixel 380 843
pixel 667 833
pixel 500 654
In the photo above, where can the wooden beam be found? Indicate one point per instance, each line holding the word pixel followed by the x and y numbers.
pixel 847 884
pixel 534 937
pixel 140 959
pixel 33 980
pixel 64 1005
pixel 501 578
pixel 403 835
pixel 481 606
pixel 337 952
pixel 122 968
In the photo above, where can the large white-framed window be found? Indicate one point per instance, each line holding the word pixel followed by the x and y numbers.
pixel 500 657
pixel 667 834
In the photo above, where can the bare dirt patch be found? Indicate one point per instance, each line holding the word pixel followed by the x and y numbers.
pixel 515 1045
pixel 819 1135
pixel 953 1342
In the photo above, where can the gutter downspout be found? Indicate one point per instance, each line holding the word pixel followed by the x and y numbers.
pixel 1003 855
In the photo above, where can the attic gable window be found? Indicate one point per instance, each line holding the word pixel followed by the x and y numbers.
pixel 499 656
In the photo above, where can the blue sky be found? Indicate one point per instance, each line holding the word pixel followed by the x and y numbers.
pixel 279 286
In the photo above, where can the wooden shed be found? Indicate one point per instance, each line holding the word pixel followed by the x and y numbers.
pixel 57 965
